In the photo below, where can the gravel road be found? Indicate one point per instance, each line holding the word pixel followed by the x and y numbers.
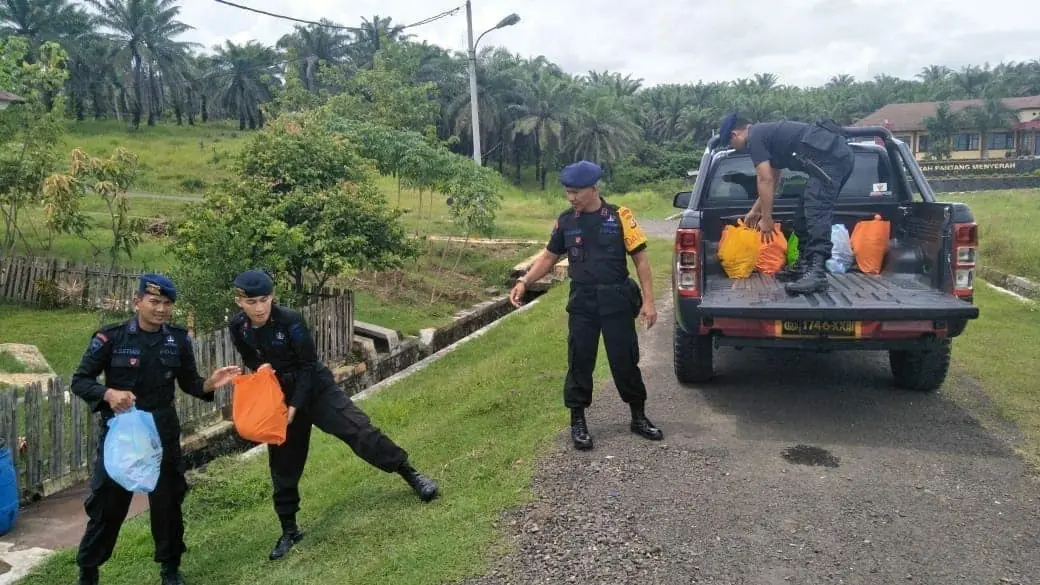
pixel 788 468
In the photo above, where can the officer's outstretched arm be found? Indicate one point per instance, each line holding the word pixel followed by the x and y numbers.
pixel 188 377
pixel 93 362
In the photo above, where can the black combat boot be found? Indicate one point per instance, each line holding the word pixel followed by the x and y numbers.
pixel 89 576
pixel 642 425
pixel 792 272
pixel 814 279
pixel 171 574
pixel 286 541
pixel 424 487
pixel 290 536
pixel 580 430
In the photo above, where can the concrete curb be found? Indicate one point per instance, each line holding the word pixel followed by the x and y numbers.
pixel 1016 284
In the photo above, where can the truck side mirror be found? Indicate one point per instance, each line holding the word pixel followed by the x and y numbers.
pixel 682 199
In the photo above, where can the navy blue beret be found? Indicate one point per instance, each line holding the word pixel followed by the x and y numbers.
pixel 253 283
pixel 580 175
pixel 157 284
pixel 726 129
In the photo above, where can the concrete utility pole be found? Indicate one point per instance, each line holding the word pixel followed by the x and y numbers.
pixel 474 104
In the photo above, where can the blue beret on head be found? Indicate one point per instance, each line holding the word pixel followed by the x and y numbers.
pixel 157 284
pixel 580 175
pixel 253 283
pixel 726 128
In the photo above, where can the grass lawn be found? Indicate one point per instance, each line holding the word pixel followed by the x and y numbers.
pixel 476 420
pixel 61 335
pixel 171 159
pixel 999 350
pixel 1008 238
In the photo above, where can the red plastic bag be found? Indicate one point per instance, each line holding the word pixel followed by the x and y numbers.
pixel 771 257
pixel 258 407
pixel 869 243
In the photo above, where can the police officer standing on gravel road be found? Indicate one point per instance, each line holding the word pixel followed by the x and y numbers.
pixel 141 358
pixel 597 236
pixel 820 151
pixel 267 333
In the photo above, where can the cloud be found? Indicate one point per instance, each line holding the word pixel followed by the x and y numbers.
pixel 804 42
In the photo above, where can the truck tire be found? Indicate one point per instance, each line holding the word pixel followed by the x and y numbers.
pixel 923 370
pixel 693 357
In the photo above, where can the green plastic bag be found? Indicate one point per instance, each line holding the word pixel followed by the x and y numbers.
pixel 792 249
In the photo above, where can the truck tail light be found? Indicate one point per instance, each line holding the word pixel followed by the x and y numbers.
pixel 966 248
pixel 688 262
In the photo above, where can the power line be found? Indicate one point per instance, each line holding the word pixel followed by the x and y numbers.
pixel 335 26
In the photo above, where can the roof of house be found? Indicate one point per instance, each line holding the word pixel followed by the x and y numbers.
pixel 910 117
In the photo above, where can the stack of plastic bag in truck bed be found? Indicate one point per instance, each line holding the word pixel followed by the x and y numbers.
pixel 743 250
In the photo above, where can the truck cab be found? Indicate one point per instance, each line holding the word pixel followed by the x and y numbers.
pixel 913 309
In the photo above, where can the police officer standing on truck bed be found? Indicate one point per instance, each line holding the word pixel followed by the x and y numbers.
pixel 596 236
pixel 820 151
pixel 266 333
pixel 141 359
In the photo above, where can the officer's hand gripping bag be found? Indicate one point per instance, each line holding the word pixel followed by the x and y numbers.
pixel 739 249
pixel 870 242
pixel 841 250
pixel 771 256
pixel 258 408
pixel 133 451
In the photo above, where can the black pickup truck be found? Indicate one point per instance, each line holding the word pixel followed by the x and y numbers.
pixel 922 299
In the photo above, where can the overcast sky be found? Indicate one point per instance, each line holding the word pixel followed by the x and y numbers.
pixel 805 42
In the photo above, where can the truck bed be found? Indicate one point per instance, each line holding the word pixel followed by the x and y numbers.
pixel 851 296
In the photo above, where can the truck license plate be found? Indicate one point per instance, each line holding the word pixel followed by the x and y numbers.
pixel 818 328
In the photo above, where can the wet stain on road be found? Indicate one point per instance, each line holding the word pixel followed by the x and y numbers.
pixel 809 455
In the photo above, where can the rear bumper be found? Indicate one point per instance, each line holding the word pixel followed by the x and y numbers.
pixel 768 327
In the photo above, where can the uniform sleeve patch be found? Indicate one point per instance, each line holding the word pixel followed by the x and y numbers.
pixel 634 235
pixel 96 343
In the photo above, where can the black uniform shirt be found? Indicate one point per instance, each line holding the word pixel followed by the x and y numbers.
pixel 774 142
pixel 141 362
pixel 596 243
pixel 285 342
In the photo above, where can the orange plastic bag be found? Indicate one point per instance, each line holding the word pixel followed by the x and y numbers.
pixel 771 257
pixel 869 243
pixel 258 407
pixel 739 249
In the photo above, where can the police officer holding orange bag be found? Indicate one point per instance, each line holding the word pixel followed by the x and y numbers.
pixel 267 333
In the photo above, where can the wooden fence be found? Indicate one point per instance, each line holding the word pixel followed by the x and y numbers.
pixel 60 283
pixel 46 282
pixel 53 435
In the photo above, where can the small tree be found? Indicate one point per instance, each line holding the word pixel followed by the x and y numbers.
pixel 305 207
pixel 29 132
pixel 941 128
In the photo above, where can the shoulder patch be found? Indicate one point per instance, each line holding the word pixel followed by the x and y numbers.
pixel 97 342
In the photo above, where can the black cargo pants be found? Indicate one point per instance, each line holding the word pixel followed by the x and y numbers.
pixel 108 503
pixel 332 411
pixel 610 309
pixel 815 212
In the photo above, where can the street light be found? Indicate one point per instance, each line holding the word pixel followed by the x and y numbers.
pixel 474 115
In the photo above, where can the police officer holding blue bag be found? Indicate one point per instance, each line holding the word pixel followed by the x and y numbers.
pixel 141 359
pixel 820 151
pixel 598 238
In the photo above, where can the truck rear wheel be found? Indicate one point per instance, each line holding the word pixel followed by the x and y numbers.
pixel 693 357
pixel 923 370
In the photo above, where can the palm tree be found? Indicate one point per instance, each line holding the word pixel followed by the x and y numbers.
pixel 244 76
pixel 547 103
pixel 991 115
pixel 40 21
pixel 602 131
pixel 315 44
pixel 144 31
pixel 370 37
pixel 941 128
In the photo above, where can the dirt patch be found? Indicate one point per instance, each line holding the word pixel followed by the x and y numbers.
pixel 35 365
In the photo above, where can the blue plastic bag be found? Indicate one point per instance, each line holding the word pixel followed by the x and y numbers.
pixel 841 250
pixel 133 452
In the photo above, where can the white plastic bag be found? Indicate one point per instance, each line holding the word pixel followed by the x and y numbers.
pixel 841 252
pixel 133 452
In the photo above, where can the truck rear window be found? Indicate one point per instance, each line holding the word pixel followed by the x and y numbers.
pixel 733 180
